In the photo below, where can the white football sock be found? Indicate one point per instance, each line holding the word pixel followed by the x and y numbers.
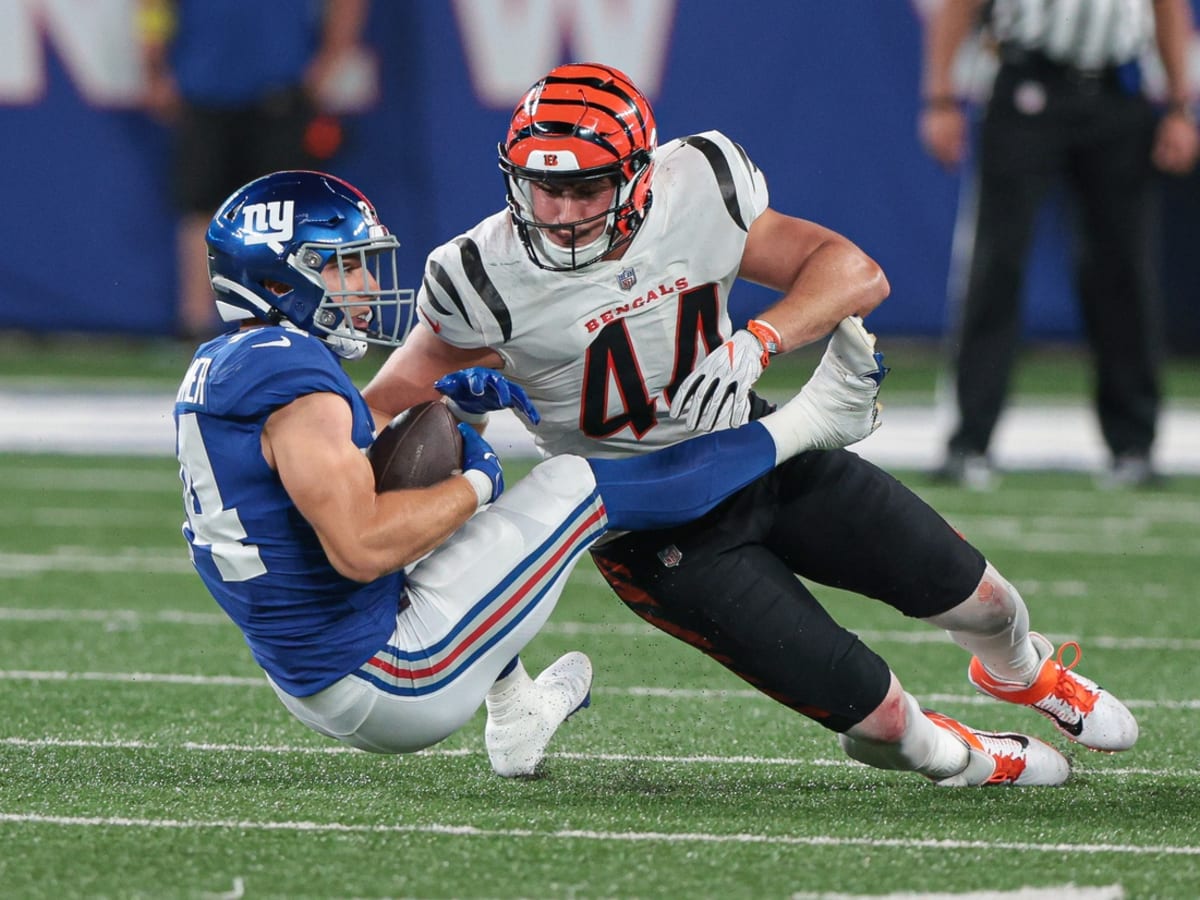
pixel 993 624
pixel 789 429
pixel 923 747
pixel 503 690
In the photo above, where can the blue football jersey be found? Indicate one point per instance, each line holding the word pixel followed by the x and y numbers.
pixel 306 624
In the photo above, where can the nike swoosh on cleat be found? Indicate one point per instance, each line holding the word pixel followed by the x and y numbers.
pixel 1072 728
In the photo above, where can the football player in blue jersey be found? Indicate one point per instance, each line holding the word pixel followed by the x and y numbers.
pixel 385 620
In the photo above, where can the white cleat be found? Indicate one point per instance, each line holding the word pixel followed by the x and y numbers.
pixel 521 723
pixel 997 758
pixel 1079 708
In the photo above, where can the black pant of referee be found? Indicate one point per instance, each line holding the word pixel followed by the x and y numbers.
pixel 1049 124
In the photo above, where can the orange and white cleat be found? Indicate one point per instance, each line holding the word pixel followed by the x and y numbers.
pixel 1078 707
pixel 1000 758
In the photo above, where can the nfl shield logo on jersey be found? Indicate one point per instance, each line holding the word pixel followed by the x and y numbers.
pixel 670 556
pixel 627 278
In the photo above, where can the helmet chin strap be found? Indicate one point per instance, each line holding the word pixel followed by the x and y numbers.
pixel 231 313
pixel 346 348
pixel 562 256
pixel 343 346
pixel 340 337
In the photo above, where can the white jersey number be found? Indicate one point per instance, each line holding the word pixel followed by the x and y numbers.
pixel 211 524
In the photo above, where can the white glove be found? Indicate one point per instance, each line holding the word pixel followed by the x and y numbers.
pixel 838 406
pixel 719 387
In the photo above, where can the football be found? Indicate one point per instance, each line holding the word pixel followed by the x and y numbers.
pixel 419 447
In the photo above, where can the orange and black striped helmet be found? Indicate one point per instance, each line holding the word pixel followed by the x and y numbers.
pixel 581 122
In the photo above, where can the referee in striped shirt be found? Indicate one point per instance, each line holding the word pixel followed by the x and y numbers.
pixel 1066 108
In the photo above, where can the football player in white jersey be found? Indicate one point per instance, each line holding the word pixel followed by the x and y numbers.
pixel 602 289
pixel 385 620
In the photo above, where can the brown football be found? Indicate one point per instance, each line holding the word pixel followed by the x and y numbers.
pixel 419 447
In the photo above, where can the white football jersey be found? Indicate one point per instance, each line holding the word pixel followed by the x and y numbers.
pixel 600 350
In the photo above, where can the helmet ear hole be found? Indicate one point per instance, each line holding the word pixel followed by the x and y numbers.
pixel 641 159
pixel 641 190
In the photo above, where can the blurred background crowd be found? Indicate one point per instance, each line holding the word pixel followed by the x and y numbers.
pixel 409 103
pixel 125 123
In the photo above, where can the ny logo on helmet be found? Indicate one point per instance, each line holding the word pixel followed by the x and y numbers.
pixel 266 222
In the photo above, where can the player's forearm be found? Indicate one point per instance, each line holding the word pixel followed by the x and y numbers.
pixel 836 281
pixel 398 528
pixel 407 376
pixel 427 518
pixel 391 392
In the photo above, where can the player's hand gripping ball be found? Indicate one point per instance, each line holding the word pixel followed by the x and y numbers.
pixel 418 448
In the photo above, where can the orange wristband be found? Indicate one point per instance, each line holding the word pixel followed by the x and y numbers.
pixel 767 336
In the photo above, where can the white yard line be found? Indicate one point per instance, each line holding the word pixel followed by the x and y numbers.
pixel 111 616
pixel 137 618
pixel 669 693
pixel 335 749
pixel 66 559
pixel 165 560
pixel 1068 891
pixel 659 837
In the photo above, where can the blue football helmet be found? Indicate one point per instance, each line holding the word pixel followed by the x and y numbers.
pixel 268 249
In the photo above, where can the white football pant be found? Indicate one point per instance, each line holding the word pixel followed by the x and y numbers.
pixel 474 603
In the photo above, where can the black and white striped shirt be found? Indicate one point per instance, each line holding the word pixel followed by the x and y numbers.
pixel 1084 34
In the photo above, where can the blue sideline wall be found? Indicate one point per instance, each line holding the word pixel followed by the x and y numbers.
pixel 822 95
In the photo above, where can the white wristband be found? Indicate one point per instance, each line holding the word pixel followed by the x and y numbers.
pixel 463 416
pixel 482 485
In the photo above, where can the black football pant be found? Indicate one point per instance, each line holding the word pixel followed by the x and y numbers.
pixel 1046 126
pixel 727 585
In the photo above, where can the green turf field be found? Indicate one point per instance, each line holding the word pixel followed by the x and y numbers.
pixel 142 755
